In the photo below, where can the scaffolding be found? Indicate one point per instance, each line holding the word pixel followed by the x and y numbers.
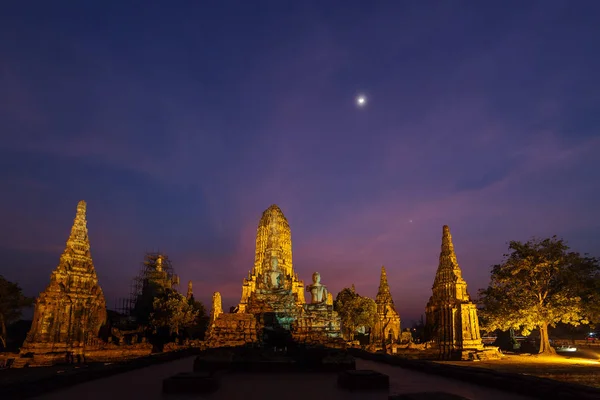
pixel 156 269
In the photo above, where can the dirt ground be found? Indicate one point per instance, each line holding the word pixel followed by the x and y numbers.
pixel 581 367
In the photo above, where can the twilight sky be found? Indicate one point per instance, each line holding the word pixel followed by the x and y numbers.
pixel 179 125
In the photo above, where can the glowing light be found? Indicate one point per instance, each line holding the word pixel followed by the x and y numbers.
pixel 361 100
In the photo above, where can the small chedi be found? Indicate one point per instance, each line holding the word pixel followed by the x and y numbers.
pixel 451 316
pixel 273 302
pixel 190 291
pixel 71 310
pixel 387 328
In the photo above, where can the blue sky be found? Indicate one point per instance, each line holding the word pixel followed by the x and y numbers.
pixel 180 124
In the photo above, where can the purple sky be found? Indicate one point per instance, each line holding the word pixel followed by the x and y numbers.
pixel 179 126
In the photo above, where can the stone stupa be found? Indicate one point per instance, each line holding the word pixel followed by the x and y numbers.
pixel 451 316
pixel 71 310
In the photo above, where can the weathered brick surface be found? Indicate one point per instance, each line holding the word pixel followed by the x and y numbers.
pixel 273 297
pixel 70 311
pixel 451 314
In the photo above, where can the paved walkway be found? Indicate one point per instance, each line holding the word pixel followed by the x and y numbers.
pixel 404 380
pixel 146 383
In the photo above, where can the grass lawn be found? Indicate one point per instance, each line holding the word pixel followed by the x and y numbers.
pixel 567 368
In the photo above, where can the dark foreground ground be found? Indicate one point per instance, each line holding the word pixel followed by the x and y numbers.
pixel 146 384
pixel 143 378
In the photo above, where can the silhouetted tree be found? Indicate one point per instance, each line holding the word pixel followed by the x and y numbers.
pixel 200 324
pixel 12 302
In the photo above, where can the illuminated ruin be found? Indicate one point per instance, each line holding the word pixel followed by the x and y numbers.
pixel 451 316
pixel 388 327
pixel 71 310
pixel 273 301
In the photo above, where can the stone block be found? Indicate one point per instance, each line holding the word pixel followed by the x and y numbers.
pixel 363 380
pixel 194 382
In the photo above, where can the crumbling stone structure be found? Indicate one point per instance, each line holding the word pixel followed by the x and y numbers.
pixel 451 316
pixel 272 302
pixel 388 327
pixel 71 310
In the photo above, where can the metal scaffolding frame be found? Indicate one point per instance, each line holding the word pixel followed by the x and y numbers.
pixel 151 270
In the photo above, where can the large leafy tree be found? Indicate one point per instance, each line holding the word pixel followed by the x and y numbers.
pixel 171 310
pixel 343 297
pixel 355 311
pixel 538 284
pixel 11 303
pixel 363 313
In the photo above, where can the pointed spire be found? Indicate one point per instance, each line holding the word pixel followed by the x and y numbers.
pixel 448 283
pixel 447 255
pixel 383 283
pixel 353 288
pixel 77 249
pixel 383 294
pixel 190 291
pixel 78 241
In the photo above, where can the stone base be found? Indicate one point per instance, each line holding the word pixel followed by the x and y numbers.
pixel 314 324
pixel 44 355
pixel 195 382
pixel 363 380
pixel 40 360
pixel 231 330
pixel 476 352
pixel 318 324
pixel 484 354
pixel 118 353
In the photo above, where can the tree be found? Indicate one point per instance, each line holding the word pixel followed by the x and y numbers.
pixel 363 313
pixel 343 298
pixel 11 303
pixel 171 310
pixel 355 311
pixel 539 284
pixel 200 324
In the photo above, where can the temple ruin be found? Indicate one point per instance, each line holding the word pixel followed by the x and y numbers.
pixel 387 328
pixel 451 316
pixel 272 302
pixel 71 310
pixel 190 291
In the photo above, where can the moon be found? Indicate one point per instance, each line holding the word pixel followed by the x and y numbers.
pixel 361 100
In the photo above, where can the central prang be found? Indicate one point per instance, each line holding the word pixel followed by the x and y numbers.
pixel 273 296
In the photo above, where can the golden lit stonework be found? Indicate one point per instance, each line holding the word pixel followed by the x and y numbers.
pixel 70 311
pixel 273 302
pixel 388 327
pixel 273 242
pixel 451 316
